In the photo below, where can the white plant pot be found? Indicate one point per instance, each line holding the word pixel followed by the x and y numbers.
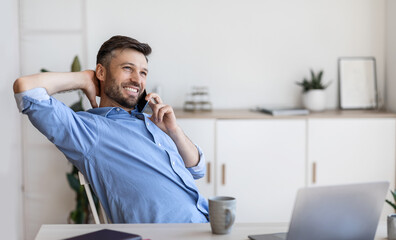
pixel 314 100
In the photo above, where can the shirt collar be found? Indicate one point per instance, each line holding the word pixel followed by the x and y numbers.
pixel 103 111
pixel 106 111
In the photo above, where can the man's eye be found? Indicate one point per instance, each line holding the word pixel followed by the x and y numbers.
pixel 144 73
pixel 127 68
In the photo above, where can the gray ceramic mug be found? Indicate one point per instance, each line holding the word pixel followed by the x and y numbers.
pixel 391 227
pixel 222 214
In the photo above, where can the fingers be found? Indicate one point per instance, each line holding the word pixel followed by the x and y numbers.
pixel 91 87
pixel 92 98
pixel 154 96
pixel 97 86
pixel 163 115
pixel 155 105
pixel 160 110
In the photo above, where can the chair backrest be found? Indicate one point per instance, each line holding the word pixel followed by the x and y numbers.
pixel 85 183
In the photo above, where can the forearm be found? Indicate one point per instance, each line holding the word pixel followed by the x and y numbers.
pixel 51 81
pixel 187 150
pixel 164 117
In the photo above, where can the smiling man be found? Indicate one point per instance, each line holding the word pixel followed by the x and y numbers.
pixel 141 167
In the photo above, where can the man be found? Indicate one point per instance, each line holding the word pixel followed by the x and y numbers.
pixel 141 167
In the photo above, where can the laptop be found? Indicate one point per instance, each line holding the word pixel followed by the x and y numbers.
pixel 342 212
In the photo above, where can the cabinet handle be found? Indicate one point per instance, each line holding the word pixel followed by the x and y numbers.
pixel 208 171
pixel 223 172
pixel 314 172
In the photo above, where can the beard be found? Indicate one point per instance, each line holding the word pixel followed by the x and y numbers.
pixel 114 92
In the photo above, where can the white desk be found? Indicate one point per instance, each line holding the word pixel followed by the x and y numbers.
pixel 194 231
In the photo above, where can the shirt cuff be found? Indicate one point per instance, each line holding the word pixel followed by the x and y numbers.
pixel 39 94
pixel 200 168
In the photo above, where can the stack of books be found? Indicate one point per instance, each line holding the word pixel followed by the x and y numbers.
pixel 283 111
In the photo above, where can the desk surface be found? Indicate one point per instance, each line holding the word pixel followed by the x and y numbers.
pixel 196 231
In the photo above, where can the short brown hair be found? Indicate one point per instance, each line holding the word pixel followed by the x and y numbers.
pixel 120 42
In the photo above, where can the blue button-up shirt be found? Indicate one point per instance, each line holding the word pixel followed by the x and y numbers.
pixel 133 166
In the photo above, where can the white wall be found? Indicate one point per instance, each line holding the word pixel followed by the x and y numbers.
pixel 10 169
pixel 391 55
pixel 52 33
pixel 248 52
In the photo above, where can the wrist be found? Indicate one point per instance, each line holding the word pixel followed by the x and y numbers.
pixel 175 132
pixel 86 79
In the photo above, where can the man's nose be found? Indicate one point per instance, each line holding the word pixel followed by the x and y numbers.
pixel 135 77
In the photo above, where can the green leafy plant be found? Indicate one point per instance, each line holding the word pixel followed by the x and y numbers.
pixel 81 213
pixel 392 204
pixel 314 83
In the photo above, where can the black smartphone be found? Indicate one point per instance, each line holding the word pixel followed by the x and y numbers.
pixel 142 103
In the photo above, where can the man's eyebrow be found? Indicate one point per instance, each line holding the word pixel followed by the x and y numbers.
pixel 129 63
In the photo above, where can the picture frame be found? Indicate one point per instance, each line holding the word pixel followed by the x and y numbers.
pixel 357 83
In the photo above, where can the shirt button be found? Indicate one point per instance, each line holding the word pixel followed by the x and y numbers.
pixel 173 163
pixel 159 144
pixel 148 124
pixel 117 109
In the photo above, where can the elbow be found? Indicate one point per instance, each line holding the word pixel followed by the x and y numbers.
pixel 197 176
pixel 17 87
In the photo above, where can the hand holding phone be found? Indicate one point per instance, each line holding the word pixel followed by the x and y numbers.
pixel 142 102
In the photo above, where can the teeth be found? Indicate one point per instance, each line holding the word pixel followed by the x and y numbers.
pixel 131 89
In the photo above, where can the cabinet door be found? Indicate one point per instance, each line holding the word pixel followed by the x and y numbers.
pixel 202 133
pixel 352 150
pixel 262 164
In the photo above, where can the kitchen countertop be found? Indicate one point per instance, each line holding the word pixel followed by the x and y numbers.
pixel 250 114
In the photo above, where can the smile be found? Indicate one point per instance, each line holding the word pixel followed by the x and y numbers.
pixel 131 89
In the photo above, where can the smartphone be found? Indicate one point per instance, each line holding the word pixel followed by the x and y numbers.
pixel 142 103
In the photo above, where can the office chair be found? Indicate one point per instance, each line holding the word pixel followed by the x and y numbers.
pixel 85 183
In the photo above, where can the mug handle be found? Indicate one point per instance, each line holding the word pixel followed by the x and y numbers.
pixel 232 217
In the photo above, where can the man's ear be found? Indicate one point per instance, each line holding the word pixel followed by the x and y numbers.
pixel 100 72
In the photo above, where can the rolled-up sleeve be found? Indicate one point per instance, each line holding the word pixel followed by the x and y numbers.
pixel 73 135
pixel 199 170
pixel 25 99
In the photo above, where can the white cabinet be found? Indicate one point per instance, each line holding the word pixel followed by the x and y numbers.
pixel 202 133
pixel 352 150
pixel 262 164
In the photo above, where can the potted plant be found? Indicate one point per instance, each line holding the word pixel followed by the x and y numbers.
pixel 391 219
pixel 314 98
